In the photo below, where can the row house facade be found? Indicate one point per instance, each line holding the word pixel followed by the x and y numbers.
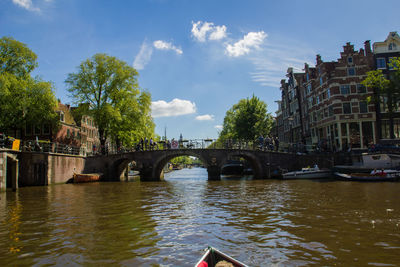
pixel 383 53
pixel 82 134
pixel 326 105
pixel 90 141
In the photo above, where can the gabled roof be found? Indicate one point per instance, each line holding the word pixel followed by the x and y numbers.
pixel 66 109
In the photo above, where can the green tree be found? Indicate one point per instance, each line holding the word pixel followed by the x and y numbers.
pixel 182 160
pixel 246 120
pixel 120 111
pixel 386 91
pixel 23 100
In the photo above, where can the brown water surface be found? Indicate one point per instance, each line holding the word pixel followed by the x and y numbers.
pixel 260 222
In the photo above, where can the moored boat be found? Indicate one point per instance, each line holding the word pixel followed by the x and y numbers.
pixel 379 176
pixel 213 256
pixel 308 173
pixel 366 162
pixel 85 178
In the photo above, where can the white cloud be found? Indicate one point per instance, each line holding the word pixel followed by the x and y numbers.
pixel 176 107
pixel 161 45
pixel 206 117
pixel 218 127
pixel 271 64
pixel 201 29
pixel 27 4
pixel 218 33
pixel 249 41
pixel 143 57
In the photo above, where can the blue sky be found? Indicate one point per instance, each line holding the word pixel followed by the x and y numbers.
pixel 196 58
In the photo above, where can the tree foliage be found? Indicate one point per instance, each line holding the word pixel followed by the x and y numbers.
pixel 184 160
pixel 23 99
pixel 246 120
pixel 386 89
pixel 120 111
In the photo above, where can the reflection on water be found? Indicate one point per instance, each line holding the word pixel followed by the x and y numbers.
pixel 260 222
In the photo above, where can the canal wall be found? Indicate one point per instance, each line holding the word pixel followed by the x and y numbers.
pixel 3 170
pixel 9 170
pixel 47 168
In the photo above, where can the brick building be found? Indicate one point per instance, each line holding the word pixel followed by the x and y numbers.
pixel 383 52
pixel 69 131
pixel 326 105
pixel 89 134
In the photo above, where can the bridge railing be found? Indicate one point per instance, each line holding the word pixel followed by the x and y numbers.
pixel 51 147
pixel 195 144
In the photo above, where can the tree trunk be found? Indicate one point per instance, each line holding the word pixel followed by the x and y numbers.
pixel 102 141
pixel 378 116
pixel 390 111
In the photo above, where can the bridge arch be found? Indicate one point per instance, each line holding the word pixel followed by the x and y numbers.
pixel 251 158
pixel 162 161
pixel 119 166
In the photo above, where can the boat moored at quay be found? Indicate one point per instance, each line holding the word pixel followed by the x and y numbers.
pixel 367 162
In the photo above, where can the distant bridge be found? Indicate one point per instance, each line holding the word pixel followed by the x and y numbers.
pixel 150 163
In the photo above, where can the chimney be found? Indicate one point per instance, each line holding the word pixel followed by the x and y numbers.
pixel 319 60
pixel 367 47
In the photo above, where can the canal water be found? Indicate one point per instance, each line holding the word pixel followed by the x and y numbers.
pixel 260 222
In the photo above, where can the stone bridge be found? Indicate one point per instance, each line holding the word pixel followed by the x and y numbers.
pixel 150 164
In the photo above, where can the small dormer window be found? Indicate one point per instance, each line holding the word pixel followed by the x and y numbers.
pixel 61 116
pixel 392 46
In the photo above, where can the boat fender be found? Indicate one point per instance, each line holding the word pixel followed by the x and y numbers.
pixel 202 264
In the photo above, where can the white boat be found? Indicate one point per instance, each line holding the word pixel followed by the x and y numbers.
pixel 366 162
pixel 375 176
pixel 308 173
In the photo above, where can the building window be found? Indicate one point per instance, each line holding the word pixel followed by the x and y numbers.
pixel 343 127
pixel 62 116
pixel 381 63
pixel 350 60
pixel 326 113
pixel 309 88
pixel 46 129
pixel 345 89
pixel 346 108
pixel 320 81
pixel 330 108
pixel 28 130
pixel 351 71
pixel 363 107
pixel 361 89
pixel 329 93
pixel 38 130
pixel 308 77
pixel 391 64
pixel 392 46
pixel 317 99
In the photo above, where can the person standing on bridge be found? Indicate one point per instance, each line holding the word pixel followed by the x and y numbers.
pixel 276 141
pixel 261 142
pixel 151 143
